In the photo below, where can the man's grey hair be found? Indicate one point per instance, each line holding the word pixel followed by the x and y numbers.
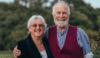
pixel 61 2
pixel 33 18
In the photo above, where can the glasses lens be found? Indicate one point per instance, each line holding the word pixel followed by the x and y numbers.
pixel 40 25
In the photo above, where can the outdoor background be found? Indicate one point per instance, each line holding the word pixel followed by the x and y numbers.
pixel 14 16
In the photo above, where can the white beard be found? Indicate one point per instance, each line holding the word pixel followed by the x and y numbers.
pixel 64 24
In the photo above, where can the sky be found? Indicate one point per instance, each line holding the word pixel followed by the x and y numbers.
pixel 93 3
pixel 6 1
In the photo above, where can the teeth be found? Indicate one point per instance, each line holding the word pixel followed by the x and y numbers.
pixel 37 30
pixel 61 19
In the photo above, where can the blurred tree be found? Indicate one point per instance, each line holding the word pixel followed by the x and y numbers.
pixel 98 21
pixel 78 18
pixel 37 3
pixel 16 1
pixel 13 20
pixel 33 3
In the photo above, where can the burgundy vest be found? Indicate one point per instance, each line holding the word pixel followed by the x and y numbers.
pixel 71 49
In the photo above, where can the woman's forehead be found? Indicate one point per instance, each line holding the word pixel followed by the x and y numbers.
pixel 37 20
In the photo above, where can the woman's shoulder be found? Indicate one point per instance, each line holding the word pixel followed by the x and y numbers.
pixel 22 43
pixel 22 40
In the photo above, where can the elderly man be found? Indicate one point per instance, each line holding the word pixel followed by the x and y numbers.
pixel 65 40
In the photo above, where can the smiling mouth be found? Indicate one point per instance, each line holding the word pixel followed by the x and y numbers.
pixel 38 30
pixel 63 19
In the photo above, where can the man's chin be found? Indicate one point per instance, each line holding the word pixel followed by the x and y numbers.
pixel 62 25
pixel 61 22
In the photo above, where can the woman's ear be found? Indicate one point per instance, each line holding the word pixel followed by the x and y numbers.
pixel 30 29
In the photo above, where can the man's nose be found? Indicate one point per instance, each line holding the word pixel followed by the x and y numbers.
pixel 61 15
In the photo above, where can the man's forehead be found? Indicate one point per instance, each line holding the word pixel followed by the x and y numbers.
pixel 38 20
pixel 61 6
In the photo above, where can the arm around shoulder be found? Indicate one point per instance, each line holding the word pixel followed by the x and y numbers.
pixel 21 47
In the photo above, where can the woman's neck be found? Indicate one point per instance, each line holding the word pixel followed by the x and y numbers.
pixel 37 40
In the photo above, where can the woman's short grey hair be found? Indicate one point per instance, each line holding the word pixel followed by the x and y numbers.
pixel 60 2
pixel 32 19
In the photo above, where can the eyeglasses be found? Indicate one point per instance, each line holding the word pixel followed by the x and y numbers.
pixel 40 25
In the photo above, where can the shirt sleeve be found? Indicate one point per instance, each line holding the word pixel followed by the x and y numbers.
pixel 21 48
pixel 83 41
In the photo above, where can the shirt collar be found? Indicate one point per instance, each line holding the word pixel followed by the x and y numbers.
pixel 62 33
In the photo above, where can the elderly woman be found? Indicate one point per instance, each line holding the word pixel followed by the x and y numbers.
pixel 35 46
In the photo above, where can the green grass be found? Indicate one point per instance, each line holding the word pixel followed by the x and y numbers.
pixel 6 54
pixel 9 54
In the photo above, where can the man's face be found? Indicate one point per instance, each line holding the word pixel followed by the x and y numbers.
pixel 61 16
pixel 37 28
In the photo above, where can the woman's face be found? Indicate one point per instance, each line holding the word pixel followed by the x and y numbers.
pixel 37 28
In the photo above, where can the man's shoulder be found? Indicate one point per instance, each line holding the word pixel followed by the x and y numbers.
pixel 80 29
pixel 72 27
pixel 52 26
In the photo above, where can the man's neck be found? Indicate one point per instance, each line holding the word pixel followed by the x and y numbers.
pixel 62 29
